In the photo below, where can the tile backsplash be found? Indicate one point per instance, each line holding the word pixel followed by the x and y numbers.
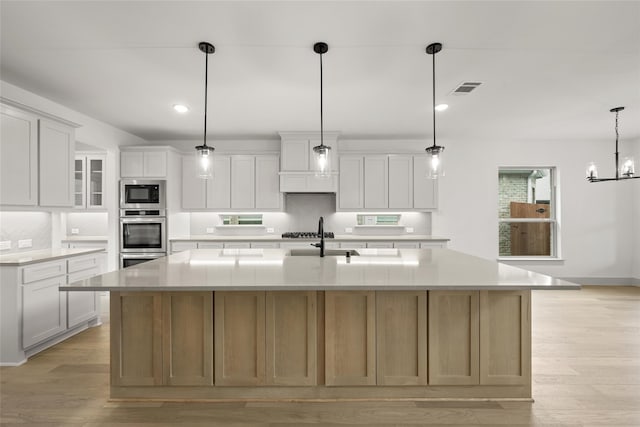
pixel 15 226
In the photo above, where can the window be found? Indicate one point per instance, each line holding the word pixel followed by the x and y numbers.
pixel 527 212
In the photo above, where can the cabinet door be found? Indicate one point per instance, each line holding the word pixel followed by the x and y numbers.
pixel 194 188
pixel 80 182
pixel 187 327
pixel 350 351
pixel 505 333
pixel 136 353
pixel 239 338
pixel 376 182
pixel 400 182
pixel 154 164
pixel 44 310
pixel 401 337
pixel 96 181
pixel 219 187
pixel 295 155
pixel 268 194
pixel 81 305
pixel 453 338
pixel 243 182
pixel 291 338
pixel 351 190
pixel 425 190
pixel 18 157
pixel 131 164
pixel 56 159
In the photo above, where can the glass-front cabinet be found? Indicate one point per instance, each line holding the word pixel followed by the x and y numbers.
pixel 89 181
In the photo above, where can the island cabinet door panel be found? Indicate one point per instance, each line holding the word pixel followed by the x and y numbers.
pixel 291 338
pixel 350 346
pixel 453 338
pixel 239 338
pixel 136 338
pixel 505 334
pixel 401 337
pixel 187 329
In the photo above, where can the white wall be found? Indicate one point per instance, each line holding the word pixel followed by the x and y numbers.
pixel 92 132
pixel 596 218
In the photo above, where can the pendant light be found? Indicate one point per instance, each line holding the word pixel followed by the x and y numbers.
pixel 322 153
pixel 626 171
pixel 434 152
pixel 204 152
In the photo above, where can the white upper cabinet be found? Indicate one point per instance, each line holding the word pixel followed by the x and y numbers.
pixel 243 176
pixel 376 182
pixel 383 182
pixel 297 171
pixel 36 159
pixel 89 181
pixel 425 190
pixel 240 182
pixel 18 157
pixel 143 164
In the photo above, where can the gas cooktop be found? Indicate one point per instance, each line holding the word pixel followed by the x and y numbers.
pixel 306 235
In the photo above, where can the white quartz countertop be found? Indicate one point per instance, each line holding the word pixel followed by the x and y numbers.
pixel 276 269
pixel 338 237
pixel 42 255
pixel 85 239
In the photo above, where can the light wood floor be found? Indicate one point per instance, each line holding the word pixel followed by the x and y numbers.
pixel 586 372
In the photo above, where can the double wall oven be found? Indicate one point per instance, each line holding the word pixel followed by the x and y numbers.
pixel 143 222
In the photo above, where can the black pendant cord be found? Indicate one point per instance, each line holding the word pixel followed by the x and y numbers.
pixel 321 103
pixel 617 164
pixel 433 94
pixel 206 74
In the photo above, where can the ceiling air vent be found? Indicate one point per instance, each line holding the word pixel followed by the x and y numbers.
pixel 465 88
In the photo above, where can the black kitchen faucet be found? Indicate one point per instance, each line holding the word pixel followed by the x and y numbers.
pixel 321 233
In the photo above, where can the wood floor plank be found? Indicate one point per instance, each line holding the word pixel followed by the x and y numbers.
pixel 586 372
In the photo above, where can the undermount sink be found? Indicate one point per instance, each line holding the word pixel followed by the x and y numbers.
pixel 327 252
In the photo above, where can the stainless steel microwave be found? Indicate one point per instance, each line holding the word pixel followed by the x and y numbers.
pixel 142 194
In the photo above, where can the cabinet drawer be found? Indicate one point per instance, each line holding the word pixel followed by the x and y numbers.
pixel 210 245
pixel 406 245
pixel 44 270
pixel 380 244
pixel 183 246
pixel 82 263
pixel 265 245
pixel 84 274
pixel 237 245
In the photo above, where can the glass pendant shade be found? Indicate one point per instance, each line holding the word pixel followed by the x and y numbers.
pixel 322 157
pixel 592 171
pixel 435 168
pixel 627 170
pixel 204 161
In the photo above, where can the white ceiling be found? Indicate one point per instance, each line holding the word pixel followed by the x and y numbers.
pixel 551 70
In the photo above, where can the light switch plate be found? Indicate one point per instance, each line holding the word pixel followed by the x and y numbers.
pixel 5 245
pixel 75 231
pixel 210 230
pixel 270 230
pixel 348 230
pixel 25 243
pixel 409 229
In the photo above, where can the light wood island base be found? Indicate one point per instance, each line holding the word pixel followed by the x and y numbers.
pixel 321 345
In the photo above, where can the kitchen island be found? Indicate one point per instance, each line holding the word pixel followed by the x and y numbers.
pixel 284 324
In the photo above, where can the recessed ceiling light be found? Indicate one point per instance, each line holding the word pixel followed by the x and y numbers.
pixel 180 108
pixel 441 107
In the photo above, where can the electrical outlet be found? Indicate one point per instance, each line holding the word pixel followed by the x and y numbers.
pixel 348 230
pixel 5 245
pixel 26 243
pixel 75 231
pixel 210 230
pixel 409 229
pixel 270 230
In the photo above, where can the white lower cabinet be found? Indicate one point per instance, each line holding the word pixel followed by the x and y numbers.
pixel 406 245
pixel 434 244
pixel 44 310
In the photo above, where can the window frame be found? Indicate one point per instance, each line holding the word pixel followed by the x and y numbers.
pixel 553 220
